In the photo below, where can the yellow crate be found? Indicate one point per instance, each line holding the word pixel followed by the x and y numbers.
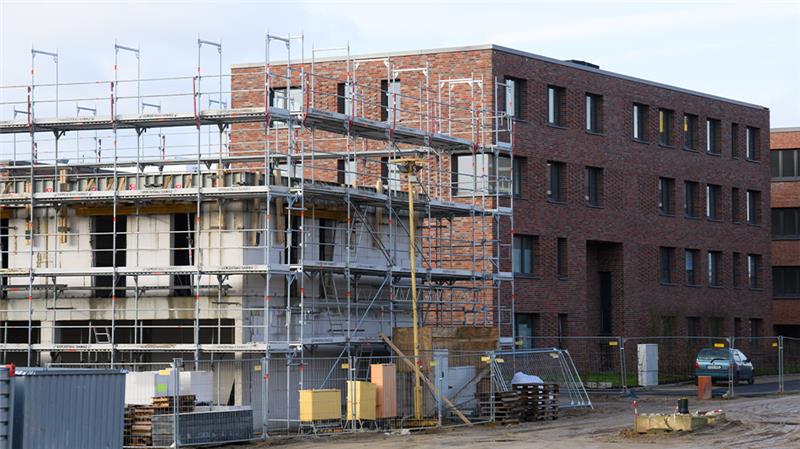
pixel 316 405
pixel 362 395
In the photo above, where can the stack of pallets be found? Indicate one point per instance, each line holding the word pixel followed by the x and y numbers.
pixel 166 404
pixel 539 401
pixel 138 425
pixel 507 407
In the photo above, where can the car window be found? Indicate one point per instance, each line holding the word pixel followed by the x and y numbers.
pixel 713 354
pixel 737 356
pixel 741 354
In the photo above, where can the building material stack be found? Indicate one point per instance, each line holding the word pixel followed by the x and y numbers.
pixel 538 401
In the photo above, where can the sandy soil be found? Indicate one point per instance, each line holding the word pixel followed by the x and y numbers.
pixel 765 422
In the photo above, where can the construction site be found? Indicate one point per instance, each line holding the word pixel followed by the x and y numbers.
pixel 287 226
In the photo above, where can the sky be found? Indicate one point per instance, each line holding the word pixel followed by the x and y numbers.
pixel 749 51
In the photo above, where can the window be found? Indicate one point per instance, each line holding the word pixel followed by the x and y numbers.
pixel 712 136
pixel 689 131
pixel 347 172
pixel 666 265
pixel 526 325
pixel 556 102
pixel 556 181
pixel 183 247
pixel 665 127
pixel 736 216
pixel 563 331
pixel 594 186
pixel 786 282
pixel 518 168
pixel 594 105
pixel 640 122
pixel 390 100
pixel 691 194
pixel 715 326
pixel 344 98
pixel 785 164
pixel 713 268
pixel 786 223
pixel 477 174
pixel 735 140
pixel 667 326
pixel 712 201
pixel 327 239
pixel 390 174
pixel 736 276
pixel 755 329
pixel 693 326
pixel 561 258
pixel 515 90
pixel 524 254
pixel 666 190
pixel 690 263
pixel 754 270
pixel 279 99
pixel 753 207
pixel 751 140
pixel 103 255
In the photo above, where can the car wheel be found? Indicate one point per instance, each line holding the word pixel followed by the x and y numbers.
pixel 752 379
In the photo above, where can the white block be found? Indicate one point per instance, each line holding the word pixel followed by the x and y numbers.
pixel 648 364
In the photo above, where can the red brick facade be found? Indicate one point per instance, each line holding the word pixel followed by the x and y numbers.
pixel 786 252
pixel 618 242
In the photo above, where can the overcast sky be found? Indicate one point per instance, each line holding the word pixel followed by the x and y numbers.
pixel 748 51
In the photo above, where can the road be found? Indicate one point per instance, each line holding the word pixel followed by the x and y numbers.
pixel 764 422
pixel 764 385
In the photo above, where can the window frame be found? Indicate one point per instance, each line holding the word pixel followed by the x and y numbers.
pixel 521 243
pixel 714 271
pixel 713 192
pixel 666 187
pixel 753 271
pixel 556 103
pixel 665 117
pixel 562 258
pixel 779 218
pixel 593 113
pixel 690 132
pixel 781 276
pixel 639 122
pixel 752 140
pixel 691 277
pixel 753 207
pixel 595 186
pixel 666 265
pixel 690 203
pixel 556 182
pixel 777 161
pixel 713 136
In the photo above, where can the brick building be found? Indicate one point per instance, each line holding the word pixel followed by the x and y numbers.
pixel 785 163
pixel 639 208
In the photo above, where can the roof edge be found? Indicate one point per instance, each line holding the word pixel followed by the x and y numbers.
pixel 786 129
pixel 524 54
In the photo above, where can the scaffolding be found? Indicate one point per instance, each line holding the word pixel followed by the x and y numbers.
pixel 273 222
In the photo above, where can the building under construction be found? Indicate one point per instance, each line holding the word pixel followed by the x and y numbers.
pixel 303 207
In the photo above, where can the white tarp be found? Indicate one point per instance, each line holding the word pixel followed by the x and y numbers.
pixel 522 378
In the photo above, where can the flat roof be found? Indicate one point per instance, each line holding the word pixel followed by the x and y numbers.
pixel 788 129
pixel 518 53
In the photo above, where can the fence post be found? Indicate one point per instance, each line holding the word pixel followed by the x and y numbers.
pixel 438 370
pixel 492 365
pixel 176 385
pixel 622 367
pixel 264 397
pixel 780 364
pixel 731 344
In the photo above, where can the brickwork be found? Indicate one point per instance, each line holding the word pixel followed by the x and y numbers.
pixel 786 253
pixel 624 234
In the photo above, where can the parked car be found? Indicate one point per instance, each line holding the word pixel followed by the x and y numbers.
pixel 714 362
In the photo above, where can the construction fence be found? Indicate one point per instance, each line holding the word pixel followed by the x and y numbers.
pixel 194 402
pixel 616 364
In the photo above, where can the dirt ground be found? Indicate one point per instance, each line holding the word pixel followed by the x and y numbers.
pixel 764 422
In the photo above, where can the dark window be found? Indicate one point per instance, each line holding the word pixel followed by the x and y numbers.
pixel 786 223
pixel 594 113
pixel 691 199
pixel 714 258
pixel 753 207
pixel 712 201
pixel 666 191
pixel 666 265
pixel 103 243
pixel 563 330
pixel 736 270
pixel 524 254
pixel 278 98
pixel 689 131
pixel 690 263
pixel 668 326
pixel 752 141
pixel 665 127
pixel 736 216
pixel 183 246
pixel 786 282
pixel 712 136
pixel 594 186
pixel 515 93
pixel 640 122
pixel 477 174
pixel 327 239
pixel 785 164
pixel 735 140
pixel 556 104
pixel 715 326
pixel 390 100
pixel 755 329
pixel 527 325
pixel 754 270
pixel 693 326
pixel 556 181
pixel 518 168
pixel 562 261
pixel 344 98
pixel 346 172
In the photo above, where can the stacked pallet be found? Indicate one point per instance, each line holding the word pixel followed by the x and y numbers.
pixel 138 425
pixel 539 401
pixel 507 407
pixel 166 404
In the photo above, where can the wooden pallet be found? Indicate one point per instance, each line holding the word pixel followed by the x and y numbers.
pixel 507 408
pixel 166 404
pixel 540 401
pixel 138 425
